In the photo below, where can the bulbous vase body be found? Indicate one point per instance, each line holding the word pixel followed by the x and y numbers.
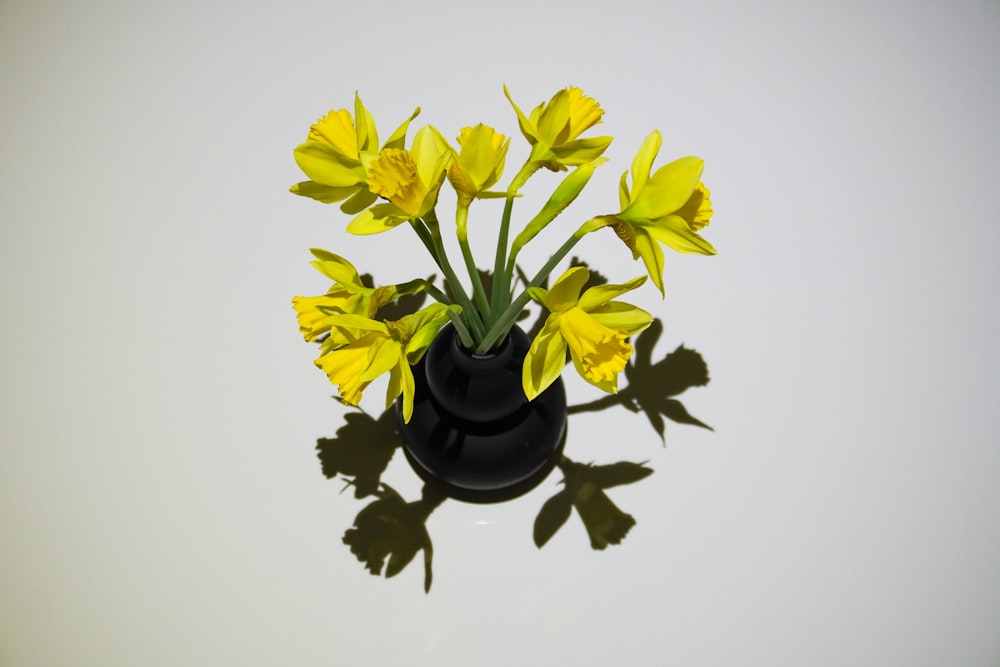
pixel 473 432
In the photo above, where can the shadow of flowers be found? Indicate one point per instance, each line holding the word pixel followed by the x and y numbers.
pixel 392 528
pixel 652 386
pixel 584 490
pixel 389 531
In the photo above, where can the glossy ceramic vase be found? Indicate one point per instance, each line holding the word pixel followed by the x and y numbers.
pixel 473 433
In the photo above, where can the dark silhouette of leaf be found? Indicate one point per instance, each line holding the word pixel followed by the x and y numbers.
pixel 675 411
pixel 551 517
pixel 616 474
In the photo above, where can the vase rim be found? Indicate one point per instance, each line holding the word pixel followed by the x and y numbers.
pixel 497 351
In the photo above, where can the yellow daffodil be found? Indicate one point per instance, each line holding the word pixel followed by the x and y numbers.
pixel 377 347
pixel 348 295
pixel 479 164
pixel 409 179
pixel 553 129
pixel 668 207
pixel 591 325
pixel 336 156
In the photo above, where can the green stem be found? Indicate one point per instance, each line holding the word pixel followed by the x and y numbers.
pixel 460 328
pixel 425 237
pixel 501 283
pixel 503 323
pixel 438 295
pixel 461 222
pixel 469 313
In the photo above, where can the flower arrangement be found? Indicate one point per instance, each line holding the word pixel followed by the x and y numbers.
pixel 383 187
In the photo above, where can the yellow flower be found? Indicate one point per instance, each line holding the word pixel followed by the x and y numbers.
pixel 553 129
pixel 479 164
pixel 668 207
pixel 591 325
pixel 409 179
pixel 336 156
pixel 377 347
pixel 348 295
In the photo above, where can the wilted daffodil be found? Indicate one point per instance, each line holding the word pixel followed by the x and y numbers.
pixel 336 156
pixel 591 325
pixel 553 129
pixel 409 179
pixel 668 207
pixel 381 347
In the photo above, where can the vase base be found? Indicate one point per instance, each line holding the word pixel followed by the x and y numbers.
pixel 499 493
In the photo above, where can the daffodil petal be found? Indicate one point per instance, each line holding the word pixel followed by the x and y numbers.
pixel 581 151
pixel 566 291
pixel 622 316
pixel 554 120
pixel 377 219
pixel 601 294
pixel 327 256
pixel 407 389
pixel 361 200
pixel 674 232
pixel 490 194
pixel 383 358
pixel 398 138
pixel 359 323
pixel 623 191
pixel 342 273
pixel 642 163
pixel 527 129
pixel 652 256
pixel 322 164
pixel 395 386
pixel 322 193
pixel 421 327
pixel 545 360
pixel 432 154
pixel 538 294
pixel 668 189
pixel 365 125
pixel 344 367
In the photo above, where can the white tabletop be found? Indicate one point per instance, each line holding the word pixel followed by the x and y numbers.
pixel 161 501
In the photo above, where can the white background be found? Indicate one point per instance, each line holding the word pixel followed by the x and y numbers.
pixel 160 499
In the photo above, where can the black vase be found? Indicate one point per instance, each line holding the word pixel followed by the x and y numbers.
pixel 473 432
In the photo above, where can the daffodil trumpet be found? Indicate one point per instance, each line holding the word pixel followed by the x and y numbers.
pixel 383 186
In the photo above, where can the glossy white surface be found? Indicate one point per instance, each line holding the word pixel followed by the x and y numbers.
pixel 160 498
